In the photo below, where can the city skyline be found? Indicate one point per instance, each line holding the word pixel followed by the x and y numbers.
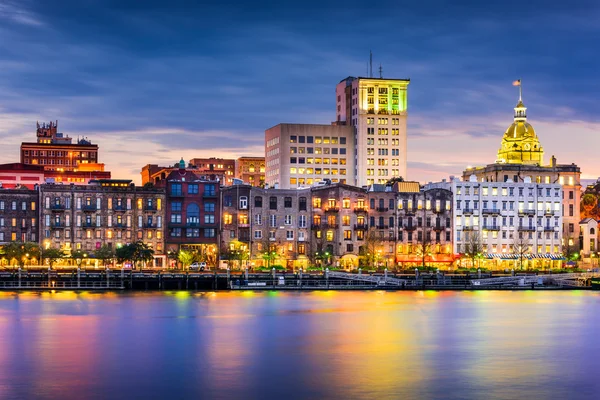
pixel 174 82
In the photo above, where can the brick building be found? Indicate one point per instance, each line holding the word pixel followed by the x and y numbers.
pixel 193 214
pixel 107 212
pixel 251 170
pixel 18 216
pixel 221 169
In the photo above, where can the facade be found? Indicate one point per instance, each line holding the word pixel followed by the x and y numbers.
pixel 63 160
pixel 415 224
pixel 300 155
pixel 275 221
pixel 192 215
pixel 505 219
pixel 152 173
pixel 221 169
pixel 18 175
pixel 108 212
pixel 18 216
pixel 377 110
pixel 251 170
pixel 520 157
pixel 588 237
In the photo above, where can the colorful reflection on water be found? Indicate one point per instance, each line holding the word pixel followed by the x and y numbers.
pixel 274 345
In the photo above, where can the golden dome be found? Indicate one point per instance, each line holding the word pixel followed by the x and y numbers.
pixel 520 144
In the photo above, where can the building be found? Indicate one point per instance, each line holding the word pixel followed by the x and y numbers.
pixel 18 175
pixel 377 110
pixel 504 220
pixel 271 225
pixel 340 217
pixel 588 238
pixel 520 157
pixel 106 212
pixel 63 160
pixel 193 215
pixel 221 169
pixel 300 155
pixel 152 173
pixel 18 216
pixel 251 170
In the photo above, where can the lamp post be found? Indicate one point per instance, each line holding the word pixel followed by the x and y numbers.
pixel 26 258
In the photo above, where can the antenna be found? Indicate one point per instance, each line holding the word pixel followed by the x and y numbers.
pixel 380 72
pixel 370 64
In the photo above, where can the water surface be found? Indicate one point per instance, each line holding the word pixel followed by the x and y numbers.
pixel 318 345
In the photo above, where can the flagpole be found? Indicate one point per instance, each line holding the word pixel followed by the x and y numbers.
pixel 520 90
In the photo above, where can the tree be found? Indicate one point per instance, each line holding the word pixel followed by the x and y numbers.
pixel 53 255
pixel 104 253
pixel 520 247
pixel 124 253
pixel 141 252
pixel 21 252
pixel 425 246
pixel 473 247
pixel 186 258
pixel 370 251
pixel 570 247
pixel 78 256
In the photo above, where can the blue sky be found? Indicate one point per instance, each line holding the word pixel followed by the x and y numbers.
pixel 154 81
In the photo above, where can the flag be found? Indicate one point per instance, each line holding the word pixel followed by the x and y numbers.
pixel 517 82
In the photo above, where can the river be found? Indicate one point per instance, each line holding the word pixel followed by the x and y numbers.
pixel 288 345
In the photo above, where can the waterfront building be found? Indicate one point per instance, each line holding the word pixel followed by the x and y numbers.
pixel 18 216
pixel 221 169
pixel 504 220
pixel 340 218
pixel 301 155
pixel 376 108
pixel 251 170
pixel 63 160
pixel 268 224
pixel 521 157
pixel 105 212
pixel 19 175
pixel 588 239
pixel 157 175
pixel 192 215
pixel 414 224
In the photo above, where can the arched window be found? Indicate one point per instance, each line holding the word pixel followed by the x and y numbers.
pixel 192 214
pixel 592 231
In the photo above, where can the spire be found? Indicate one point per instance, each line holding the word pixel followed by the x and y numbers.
pixel 520 109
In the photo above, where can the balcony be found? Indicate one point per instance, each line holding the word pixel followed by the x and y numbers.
pixel 382 226
pixel 468 228
pixel 381 209
pixel 150 226
pixel 467 211
pixel 150 207
pixel 529 228
pixel 57 225
pixel 410 227
pixel 89 208
pixel 438 227
pixel 190 224
pixel 491 211
pixel 440 210
pixel 243 225
pixel 526 212
pixel 549 229
pixel 360 209
pixel 57 207
pixel 119 225
pixel 409 212
pixel 119 208
pixel 332 226
pixel 332 209
pixel 491 227
pixel 360 227
pixel 548 212
pixel 89 225
pixel 315 227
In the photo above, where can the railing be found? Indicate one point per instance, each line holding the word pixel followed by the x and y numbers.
pixel 150 207
pixel 527 228
pixel 57 207
pixel 89 207
pixel 358 209
pixel 381 209
pixel 61 285
pixel 119 225
pixel 491 227
pixel 89 225
pixel 119 208
pixel 382 227
pixel 548 229
pixel 332 209
pixel 332 226
pixel 468 228
pixel 467 211
pixel 410 227
pixel 526 212
pixel 57 225
pixel 360 227
pixel 315 226
pixel 495 211
pixel 438 227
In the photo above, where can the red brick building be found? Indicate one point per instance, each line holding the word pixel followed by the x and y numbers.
pixel 21 175
pixel 192 215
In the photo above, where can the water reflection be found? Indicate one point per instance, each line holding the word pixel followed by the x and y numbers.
pixel 428 344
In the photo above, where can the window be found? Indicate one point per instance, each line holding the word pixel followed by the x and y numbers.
pixel 272 221
pixel 209 233
pixel 209 218
pixel 288 220
pixel 287 202
pixel 209 207
pixel 192 188
pixel 272 203
pixel 258 200
pixel 176 189
pixel 243 202
pixel 302 221
pixel 302 203
pixel 258 235
pixel 289 235
pixel 210 190
pixel 193 214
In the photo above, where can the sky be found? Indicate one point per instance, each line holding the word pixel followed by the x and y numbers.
pixel 154 81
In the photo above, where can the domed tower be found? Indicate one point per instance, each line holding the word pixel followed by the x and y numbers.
pixel 520 144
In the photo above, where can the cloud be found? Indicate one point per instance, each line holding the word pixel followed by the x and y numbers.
pixel 10 11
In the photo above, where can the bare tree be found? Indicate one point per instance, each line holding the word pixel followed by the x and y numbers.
pixel 474 247
pixel 371 249
pixel 425 246
pixel 521 247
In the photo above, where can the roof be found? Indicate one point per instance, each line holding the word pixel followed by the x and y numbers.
pixel 21 167
pixel 407 187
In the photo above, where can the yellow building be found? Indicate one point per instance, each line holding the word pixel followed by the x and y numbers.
pixel 520 144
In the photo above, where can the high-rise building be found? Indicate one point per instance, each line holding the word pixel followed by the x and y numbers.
pixel 63 160
pixel 300 155
pixel 377 109
pixel 521 157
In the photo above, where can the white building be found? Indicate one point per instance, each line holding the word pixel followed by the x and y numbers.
pixel 300 155
pixel 377 109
